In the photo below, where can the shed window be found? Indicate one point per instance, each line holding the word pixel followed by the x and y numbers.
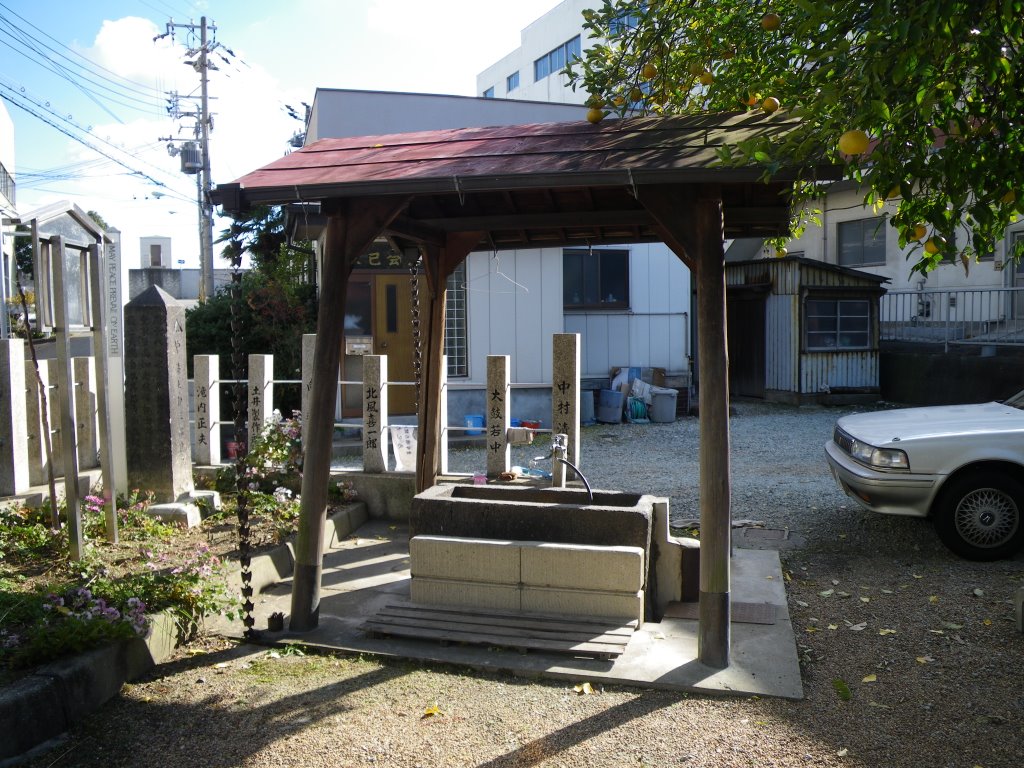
pixel 861 242
pixel 837 324
pixel 595 279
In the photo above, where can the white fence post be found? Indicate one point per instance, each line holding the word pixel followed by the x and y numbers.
pixel 375 413
pixel 206 399
pixel 13 418
pixel 497 418
pixel 261 393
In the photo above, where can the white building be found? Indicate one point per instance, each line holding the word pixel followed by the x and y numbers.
pixel 155 252
pixel 630 304
pixel 7 212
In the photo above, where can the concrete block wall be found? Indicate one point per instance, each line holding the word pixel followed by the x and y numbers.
pixel 541 577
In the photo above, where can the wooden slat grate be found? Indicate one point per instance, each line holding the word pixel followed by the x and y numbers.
pixel 576 636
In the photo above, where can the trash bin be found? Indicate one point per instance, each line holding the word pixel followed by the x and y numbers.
pixel 609 406
pixel 663 405
pixel 474 420
pixel 587 406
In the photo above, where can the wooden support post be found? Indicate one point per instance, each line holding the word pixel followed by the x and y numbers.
pixel 66 395
pixel 308 349
pixel 714 632
pixel 375 414
pixel 692 227
pixel 439 263
pixel 351 228
pixel 498 406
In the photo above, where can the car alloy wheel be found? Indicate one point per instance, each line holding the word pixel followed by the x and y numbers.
pixel 986 517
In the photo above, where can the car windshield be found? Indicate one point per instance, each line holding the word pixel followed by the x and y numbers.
pixel 1017 401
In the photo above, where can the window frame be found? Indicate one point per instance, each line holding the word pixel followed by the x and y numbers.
pixel 879 225
pixel 488 93
pixel 456 323
pixel 839 298
pixel 564 54
pixel 601 305
pixel 512 82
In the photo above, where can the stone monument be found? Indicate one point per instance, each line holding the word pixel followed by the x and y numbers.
pixel 156 396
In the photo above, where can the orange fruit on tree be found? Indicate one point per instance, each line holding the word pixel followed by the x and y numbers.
pixel 770 104
pixel 853 142
pixel 648 71
pixel 771 22
pixel 781 253
pixel 920 230
pixel 934 244
pixel 751 99
pixel 595 115
pixel 635 94
pixel 894 191
pixel 706 78
pixel 1009 198
pixel 695 68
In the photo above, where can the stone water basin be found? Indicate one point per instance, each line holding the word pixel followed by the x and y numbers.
pixel 527 513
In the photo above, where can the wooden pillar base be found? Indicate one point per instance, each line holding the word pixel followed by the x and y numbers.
pixel 713 636
pixel 305 598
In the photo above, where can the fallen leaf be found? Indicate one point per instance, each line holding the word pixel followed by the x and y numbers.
pixel 987 622
pixel 879 706
pixel 833 626
pixel 887 631
pixel 770 578
pixel 584 689
pixel 392 527
pixel 430 711
pixel 827 593
pixel 802 604
pixel 835 582
pixel 859 627
pixel 842 689
pixel 842 752
pixel 872 678
pixel 979 593
pixel 221 665
pixel 936 631
pixel 924 659
pixel 933 599
pixel 811 629
pixel 887 592
pixel 843 594
pixel 865 599
pixel 917 576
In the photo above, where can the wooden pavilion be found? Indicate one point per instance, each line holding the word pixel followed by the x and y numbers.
pixel 448 193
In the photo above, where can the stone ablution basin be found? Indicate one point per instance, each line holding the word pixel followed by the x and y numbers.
pixel 527 513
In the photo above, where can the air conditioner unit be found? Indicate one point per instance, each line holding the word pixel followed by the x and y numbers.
pixel 191 157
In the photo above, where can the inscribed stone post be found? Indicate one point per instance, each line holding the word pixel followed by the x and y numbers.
pixel 375 413
pixel 85 412
pixel 206 399
pixel 308 347
pixel 497 424
pixel 156 396
pixel 261 393
pixel 565 390
pixel 13 416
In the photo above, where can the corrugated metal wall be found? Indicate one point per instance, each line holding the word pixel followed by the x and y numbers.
pixel 824 371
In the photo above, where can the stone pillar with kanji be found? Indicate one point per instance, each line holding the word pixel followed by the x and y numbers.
pixel 206 370
pixel 375 410
pixel 565 391
pixel 261 393
pixel 497 419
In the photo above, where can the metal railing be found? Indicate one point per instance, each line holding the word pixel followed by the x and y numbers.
pixel 953 316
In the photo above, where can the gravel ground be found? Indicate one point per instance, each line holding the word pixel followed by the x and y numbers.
pixel 909 655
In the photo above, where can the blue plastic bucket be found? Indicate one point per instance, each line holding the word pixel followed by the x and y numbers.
pixel 475 420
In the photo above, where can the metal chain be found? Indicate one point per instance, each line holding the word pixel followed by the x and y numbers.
pixel 240 400
pixel 417 336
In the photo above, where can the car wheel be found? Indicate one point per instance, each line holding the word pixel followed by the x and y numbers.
pixel 978 516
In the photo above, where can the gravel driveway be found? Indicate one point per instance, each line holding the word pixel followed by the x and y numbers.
pixel 910 656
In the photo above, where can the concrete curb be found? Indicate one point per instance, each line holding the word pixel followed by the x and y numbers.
pixel 43 705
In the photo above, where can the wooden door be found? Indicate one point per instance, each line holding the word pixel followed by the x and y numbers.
pixel 746 326
pixel 392 336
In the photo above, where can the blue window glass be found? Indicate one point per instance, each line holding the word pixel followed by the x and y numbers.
pixel 512 82
pixel 573 49
pixel 489 93
pixel 541 68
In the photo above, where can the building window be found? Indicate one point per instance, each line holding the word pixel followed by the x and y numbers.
pixel 556 60
pixel 624 22
pixel 512 82
pixel 837 324
pixel 489 93
pixel 456 337
pixel 861 242
pixel 595 279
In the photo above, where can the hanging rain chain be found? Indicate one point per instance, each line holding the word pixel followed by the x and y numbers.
pixel 240 399
pixel 417 335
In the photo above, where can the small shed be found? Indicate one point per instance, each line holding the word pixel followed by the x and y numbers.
pixel 801 330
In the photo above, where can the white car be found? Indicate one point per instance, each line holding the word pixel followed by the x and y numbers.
pixel 963 465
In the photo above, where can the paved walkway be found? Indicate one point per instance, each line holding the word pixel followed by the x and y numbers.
pixel 371 568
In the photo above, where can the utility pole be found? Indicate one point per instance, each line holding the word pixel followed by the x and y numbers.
pixel 203 125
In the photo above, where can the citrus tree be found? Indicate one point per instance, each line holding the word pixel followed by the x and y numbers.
pixel 920 101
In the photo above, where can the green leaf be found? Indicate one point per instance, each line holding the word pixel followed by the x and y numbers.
pixel 842 689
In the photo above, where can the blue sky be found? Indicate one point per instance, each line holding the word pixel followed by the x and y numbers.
pixel 112 80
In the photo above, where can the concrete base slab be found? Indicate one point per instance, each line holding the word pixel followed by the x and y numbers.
pixel 207 501
pixel 372 568
pixel 179 513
